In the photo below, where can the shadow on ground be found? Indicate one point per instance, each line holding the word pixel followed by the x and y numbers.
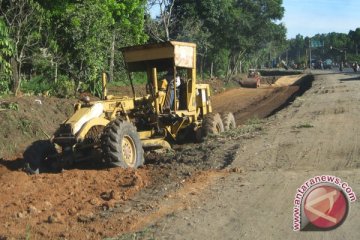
pixel 357 78
pixel 12 165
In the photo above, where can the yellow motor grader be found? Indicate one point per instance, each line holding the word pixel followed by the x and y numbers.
pixel 120 128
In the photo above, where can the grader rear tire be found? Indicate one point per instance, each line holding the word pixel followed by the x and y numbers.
pixel 228 120
pixel 212 125
pixel 35 156
pixel 121 145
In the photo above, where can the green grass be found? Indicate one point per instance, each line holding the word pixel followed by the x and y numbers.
pixel 138 78
pixel 117 84
pixel 28 232
pixel 254 121
pixel 25 126
pixel 9 106
pixel 303 125
pixel 231 84
pixel 251 126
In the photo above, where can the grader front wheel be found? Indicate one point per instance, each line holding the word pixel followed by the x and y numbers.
pixel 128 150
pixel 121 145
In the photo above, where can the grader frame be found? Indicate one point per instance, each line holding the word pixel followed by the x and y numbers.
pixel 122 126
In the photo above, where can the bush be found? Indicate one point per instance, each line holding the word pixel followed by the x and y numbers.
pixel 221 62
pixel 41 85
pixel 138 78
pixel 37 85
pixel 64 87
pixel 4 86
pixel 353 58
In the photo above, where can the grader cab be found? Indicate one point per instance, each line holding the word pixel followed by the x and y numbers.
pixel 120 128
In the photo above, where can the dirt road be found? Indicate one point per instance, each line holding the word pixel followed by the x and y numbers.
pixel 317 134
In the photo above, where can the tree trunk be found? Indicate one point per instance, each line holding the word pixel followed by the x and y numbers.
pixel 201 67
pixel 228 70
pixel 299 56
pixel 167 33
pixel 212 70
pixel 15 76
pixel 112 58
pixel 55 66
pixel 56 72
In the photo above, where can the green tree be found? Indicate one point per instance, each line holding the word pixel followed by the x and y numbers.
pixel 87 35
pixel 196 22
pixel 355 38
pixel 24 21
pixel 335 46
pixel 83 38
pixel 159 28
pixel 6 51
pixel 241 28
pixel 297 49
pixel 127 29
pixel 6 48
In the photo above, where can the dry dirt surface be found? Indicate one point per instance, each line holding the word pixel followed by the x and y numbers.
pixel 240 185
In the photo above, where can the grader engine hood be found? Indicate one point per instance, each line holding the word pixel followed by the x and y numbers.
pixel 84 115
pixel 70 131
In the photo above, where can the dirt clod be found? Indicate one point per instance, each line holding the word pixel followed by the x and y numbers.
pixel 94 201
pixel 86 218
pixel 21 215
pixel 48 205
pixel 126 210
pixel 236 170
pixel 33 210
pixel 72 211
pixel 55 218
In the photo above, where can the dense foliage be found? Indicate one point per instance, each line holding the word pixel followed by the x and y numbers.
pixel 6 52
pixel 56 47
pixel 229 33
pixel 60 46
pixel 338 47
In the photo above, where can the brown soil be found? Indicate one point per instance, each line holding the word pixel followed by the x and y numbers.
pixel 65 204
pixel 248 103
pixel 97 202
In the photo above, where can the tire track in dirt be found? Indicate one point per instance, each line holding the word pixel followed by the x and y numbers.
pixel 182 199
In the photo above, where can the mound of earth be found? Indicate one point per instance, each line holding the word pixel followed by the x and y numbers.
pixel 28 118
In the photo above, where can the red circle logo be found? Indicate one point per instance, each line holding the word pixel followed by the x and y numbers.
pixel 326 207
